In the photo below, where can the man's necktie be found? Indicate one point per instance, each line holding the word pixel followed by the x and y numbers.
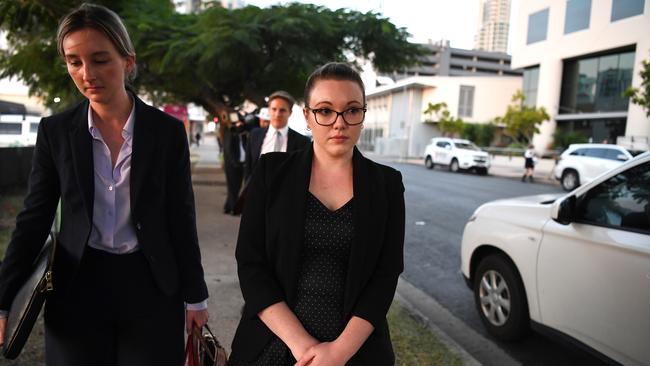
pixel 278 141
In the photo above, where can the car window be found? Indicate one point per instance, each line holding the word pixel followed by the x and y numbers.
pixel 622 201
pixel 635 152
pixel 595 152
pixel 613 154
pixel 467 146
pixel 442 143
pixel 579 152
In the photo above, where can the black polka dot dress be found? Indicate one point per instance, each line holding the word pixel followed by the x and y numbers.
pixel 321 283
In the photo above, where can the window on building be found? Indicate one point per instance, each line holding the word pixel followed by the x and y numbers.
pixel 537 26
pixel 466 101
pixel 577 15
pixel 622 9
pixel 33 127
pixel 596 84
pixel 10 128
pixel 531 81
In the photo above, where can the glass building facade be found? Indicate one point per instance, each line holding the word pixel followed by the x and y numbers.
pixel 578 13
pixel 531 82
pixel 537 26
pixel 596 84
pixel 622 9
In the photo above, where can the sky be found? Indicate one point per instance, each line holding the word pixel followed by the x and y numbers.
pixel 435 20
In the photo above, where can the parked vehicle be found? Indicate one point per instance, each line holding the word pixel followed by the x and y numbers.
pixel 581 163
pixel 456 154
pixel 18 130
pixel 575 266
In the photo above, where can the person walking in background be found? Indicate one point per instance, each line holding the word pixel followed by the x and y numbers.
pixel 320 244
pixel 529 163
pixel 127 268
pixel 277 136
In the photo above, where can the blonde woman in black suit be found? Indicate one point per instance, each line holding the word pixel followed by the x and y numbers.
pixel 127 271
pixel 320 242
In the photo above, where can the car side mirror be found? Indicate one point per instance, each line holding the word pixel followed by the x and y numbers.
pixel 564 210
pixel 448 147
pixel 621 157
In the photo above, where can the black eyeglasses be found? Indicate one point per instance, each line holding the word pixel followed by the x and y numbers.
pixel 326 117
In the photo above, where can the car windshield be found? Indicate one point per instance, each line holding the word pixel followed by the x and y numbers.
pixel 635 152
pixel 467 146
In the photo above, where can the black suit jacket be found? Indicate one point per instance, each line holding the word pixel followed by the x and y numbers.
pixel 295 141
pixel 162 203
pixel 271 236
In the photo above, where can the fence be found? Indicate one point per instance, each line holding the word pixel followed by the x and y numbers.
pixel 15 164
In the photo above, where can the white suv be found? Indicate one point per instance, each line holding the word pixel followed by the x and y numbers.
pixel 456 154
pixel 581 163
pixel 578 264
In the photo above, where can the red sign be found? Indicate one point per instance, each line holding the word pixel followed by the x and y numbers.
pixel 177 110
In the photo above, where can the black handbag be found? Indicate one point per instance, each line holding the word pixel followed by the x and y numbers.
pixel 28 301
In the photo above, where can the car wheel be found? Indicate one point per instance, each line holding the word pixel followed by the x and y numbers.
pixel 454 167
pixel 482 171
pixel 501 299
pixel 428 163
pixel 570 180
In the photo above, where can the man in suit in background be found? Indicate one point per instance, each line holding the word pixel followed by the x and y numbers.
pixel 234 157
pixel 277 136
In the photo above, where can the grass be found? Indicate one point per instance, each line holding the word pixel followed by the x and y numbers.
pixel 413 342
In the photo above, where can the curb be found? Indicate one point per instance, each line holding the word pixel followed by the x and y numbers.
pixel 449 329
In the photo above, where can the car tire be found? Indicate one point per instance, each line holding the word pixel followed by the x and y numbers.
pixel 454 167
pixel 429 163
pixel 482 171
pixel 500 298
pixel 570 180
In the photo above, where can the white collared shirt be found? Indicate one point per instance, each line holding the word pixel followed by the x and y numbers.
pixel 268 144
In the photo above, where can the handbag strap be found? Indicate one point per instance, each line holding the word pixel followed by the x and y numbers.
pixel 196 332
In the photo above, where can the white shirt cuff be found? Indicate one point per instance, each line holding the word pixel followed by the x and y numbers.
pixel 197 306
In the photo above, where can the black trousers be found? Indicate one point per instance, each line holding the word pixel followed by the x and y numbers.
pixel 114 315
pixel 234 179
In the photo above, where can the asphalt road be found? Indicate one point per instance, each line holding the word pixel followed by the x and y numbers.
pixel 438 204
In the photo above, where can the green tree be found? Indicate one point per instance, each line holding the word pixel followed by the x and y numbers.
pixel 562 140
pixel 216 58
pixel 480 133
pixel 520 121
pixel 447 124
pixel 641 96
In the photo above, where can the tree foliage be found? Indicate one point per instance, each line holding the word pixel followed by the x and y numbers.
pixel 641 95
pixel 447 124
pixel 480 133
pixel 521 121
pixel 216 58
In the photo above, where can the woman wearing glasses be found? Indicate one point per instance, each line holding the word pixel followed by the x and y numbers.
pixel 320 241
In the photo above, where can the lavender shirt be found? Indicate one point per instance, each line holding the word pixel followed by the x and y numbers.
pixel 112 229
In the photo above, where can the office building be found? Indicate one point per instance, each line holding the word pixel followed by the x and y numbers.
pixel 493 26
pixel 578 58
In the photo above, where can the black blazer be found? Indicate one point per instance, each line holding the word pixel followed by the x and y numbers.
pixel 295 141
pixel 162 203
pixel 271 235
